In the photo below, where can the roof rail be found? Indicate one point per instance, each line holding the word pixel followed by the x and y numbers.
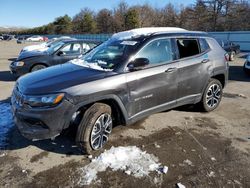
pixel 145 31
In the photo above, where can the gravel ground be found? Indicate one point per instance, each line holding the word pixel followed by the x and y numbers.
pixel 200 149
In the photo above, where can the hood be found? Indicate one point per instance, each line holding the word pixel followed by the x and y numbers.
pixel 56 78
pixel 29 54
pixel 34 47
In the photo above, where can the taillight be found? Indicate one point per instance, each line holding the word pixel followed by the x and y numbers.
pixel 226 56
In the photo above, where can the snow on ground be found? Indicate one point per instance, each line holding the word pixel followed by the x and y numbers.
pixel 131 160
pixel 6 123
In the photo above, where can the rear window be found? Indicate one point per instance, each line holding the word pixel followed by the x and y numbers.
pixel 187 47
pixel 203 45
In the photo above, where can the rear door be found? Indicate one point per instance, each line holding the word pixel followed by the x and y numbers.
pixel 195 67
pixel 154 86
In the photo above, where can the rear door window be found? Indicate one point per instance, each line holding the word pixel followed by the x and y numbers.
pixel 188 47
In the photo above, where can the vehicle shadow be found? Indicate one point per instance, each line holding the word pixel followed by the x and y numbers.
pixel 6 100
pixel 7 76
pixel 236 73
pixel 63 144
pixel 189 108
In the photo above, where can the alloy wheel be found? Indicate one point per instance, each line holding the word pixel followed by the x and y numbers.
pixel 101 131
pixel 213 95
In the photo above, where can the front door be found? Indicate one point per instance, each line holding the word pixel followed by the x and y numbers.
pixel 155 86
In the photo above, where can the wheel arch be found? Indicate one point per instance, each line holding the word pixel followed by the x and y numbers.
pixel 117 107
pixel 221 78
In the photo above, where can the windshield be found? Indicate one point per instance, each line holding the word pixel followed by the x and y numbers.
pixel 54 47
pixel 111 53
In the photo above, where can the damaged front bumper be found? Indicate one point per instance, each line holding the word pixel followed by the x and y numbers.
pixel 42 123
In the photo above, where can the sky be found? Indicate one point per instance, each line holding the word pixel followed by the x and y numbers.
pixel 33 13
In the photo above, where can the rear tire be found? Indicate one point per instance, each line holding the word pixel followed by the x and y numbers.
pixel 94 128
pixel 212 95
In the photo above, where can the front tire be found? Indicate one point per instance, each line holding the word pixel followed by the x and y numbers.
pixel 37 67
pixel 95 128
pixel 212 95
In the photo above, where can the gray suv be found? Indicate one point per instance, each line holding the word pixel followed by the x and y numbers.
pixel 132 75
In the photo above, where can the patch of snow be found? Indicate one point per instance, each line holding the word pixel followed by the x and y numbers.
pixel 213 159
pixel 180 185
pixel 81 62
pixel 157 145
pixel 131 160
pixel 2 154
pixel 6 123
pixel 211 174
pixel 237 182
pixel 144 31
pixel 188 162
pixel 128 172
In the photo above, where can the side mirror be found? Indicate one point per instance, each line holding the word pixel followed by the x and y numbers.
pixel 138 64
pixel 61 53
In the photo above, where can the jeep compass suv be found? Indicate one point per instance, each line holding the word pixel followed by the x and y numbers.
pixel 132 75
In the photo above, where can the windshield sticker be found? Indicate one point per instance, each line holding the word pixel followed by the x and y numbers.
pixel 130 43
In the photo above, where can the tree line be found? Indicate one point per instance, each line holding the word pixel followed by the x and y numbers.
pixel 203 15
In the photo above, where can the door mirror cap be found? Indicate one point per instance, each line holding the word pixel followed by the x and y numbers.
pixel 61 53
pixel 138 64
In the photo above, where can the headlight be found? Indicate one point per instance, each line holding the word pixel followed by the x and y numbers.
pixel 19 63
pixel 43 101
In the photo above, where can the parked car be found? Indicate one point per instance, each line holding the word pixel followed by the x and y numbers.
pixel 58 54
pixel 132 75
pixel 247 65
pixel 45 45
pixel 8 37
pixel 229 47
pixel 35 38
pixel 1 37
pixel 45 39
pixel 21 40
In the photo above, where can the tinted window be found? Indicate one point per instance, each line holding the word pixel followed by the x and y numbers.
pixel 158 51
pixel 203 45
pixel 187 47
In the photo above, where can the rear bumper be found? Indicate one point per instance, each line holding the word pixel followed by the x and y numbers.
pixel 38 124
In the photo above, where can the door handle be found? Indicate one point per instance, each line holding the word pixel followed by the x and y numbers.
pixel 205 60
pixel 171 69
